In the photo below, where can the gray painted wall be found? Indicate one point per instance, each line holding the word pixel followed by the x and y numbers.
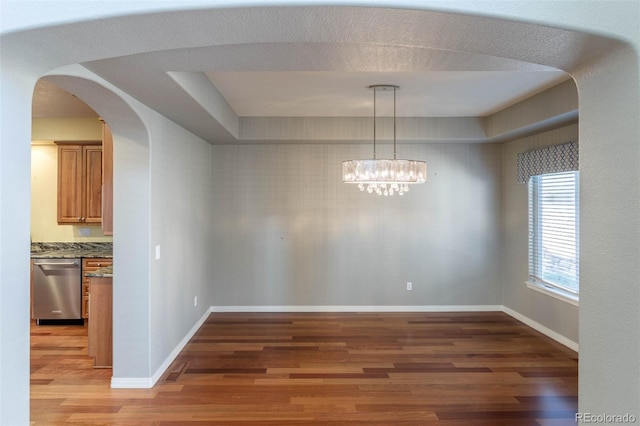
pixel 131 271
pixel 180 219
pixel 552 313
pixel 287 231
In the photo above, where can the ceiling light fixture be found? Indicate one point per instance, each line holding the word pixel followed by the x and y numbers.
pixel 384 176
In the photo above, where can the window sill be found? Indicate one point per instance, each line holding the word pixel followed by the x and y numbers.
pixel 555 293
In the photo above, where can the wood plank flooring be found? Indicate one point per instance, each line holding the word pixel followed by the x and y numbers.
pixel 321 368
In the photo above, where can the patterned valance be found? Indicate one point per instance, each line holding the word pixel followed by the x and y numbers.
pixel 552 159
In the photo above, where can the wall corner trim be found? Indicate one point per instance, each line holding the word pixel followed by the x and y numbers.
pixel 149 382
pixel 542 329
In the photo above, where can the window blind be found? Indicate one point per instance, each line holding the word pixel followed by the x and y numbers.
pixel 554 230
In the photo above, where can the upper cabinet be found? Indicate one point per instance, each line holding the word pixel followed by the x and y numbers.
pixel 85 182
pixel 79 183
pixel 107 180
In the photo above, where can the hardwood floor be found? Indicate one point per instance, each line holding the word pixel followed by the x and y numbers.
pixel 321 368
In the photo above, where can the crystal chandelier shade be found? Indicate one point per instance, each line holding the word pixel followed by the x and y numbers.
pixel 384 176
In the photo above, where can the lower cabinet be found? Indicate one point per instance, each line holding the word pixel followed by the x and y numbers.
pixel 101 321
pixel 90 264
pixel 31 290
pixel 97 307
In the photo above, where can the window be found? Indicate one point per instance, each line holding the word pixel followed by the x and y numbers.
pixel 553 234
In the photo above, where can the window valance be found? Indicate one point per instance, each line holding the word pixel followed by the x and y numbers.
pixel 551 159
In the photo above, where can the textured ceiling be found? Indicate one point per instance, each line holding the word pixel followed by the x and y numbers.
pixel 345 94
pixel 50 101
pixel 207 69
pixel 338 94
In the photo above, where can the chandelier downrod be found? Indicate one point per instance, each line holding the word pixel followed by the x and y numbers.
pixel 374 123
pixel 395 88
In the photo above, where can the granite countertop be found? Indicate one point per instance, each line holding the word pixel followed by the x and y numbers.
pixel 106 272
pixel 71 250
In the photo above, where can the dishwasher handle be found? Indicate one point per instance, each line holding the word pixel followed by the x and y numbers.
pixel 75 263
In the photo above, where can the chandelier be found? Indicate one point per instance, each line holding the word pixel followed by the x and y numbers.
pixel 384 176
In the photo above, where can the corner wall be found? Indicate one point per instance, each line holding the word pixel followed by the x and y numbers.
pixel 180 220
pixel 556 315
pixel 610 233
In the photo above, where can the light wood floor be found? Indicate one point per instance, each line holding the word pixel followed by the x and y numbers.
pixel 321 368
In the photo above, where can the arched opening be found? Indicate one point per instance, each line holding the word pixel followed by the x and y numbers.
pixel 130 171
pixel 607 78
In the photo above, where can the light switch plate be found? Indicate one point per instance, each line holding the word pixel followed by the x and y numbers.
pixel 157 252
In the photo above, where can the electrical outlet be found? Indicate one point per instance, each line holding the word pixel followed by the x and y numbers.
pixel 195 301
pixel 409 286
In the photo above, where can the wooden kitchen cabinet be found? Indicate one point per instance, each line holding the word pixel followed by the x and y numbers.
pixel 31 287
pixel 101 321
pixel 79 183
pixel 107 180
pixel 90 265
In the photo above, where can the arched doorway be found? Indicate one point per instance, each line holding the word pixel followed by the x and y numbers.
pixel 130 169
pixel 608 83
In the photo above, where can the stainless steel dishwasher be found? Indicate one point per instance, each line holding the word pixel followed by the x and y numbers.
pixel 57 290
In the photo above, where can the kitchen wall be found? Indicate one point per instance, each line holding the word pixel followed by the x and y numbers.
pixel 556 315
pixel 288 232
pixel 65 129
pixel 44 177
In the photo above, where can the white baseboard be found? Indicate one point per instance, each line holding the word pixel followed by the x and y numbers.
pixel 359 308
pixel 542 329
pixel 131 383
pixel 149 382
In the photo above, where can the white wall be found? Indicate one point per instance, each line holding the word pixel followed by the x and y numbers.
pixel 556 315
pixel 288 232
pixel 16 88
pixel 610 233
